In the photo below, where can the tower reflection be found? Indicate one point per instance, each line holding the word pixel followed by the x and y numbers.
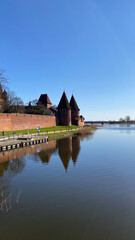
pixel 68 148
pixel 75 148
pixel 65 151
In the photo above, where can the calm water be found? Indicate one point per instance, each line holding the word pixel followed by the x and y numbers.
pixel 74 188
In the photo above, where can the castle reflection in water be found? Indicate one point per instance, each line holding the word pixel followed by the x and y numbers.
pixel 13 162
pixel 67 148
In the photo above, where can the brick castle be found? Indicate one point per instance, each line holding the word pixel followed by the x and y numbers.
pixel 66 114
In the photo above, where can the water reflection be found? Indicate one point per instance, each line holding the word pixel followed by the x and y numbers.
pixel 21 152
pixel 8 170
pixel 13 162
pixel 95 200
pixel 68 148
pixel 45 151
pixel 75 149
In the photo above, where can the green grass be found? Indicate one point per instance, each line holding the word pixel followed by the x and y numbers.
pixel 49 129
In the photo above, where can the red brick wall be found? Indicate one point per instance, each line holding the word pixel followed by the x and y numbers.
pixel 13 121
pixel 5 122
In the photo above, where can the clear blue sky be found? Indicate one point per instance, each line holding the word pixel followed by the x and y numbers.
pixel 86 47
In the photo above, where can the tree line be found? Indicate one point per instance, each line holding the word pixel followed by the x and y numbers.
pixel 126 119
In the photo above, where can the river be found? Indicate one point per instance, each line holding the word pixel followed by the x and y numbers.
pixel 79 188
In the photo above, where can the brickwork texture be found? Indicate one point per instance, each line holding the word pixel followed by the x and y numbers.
pixel 13 121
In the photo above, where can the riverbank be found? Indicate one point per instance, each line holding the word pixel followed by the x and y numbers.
pixel 42 130
pixel 16 141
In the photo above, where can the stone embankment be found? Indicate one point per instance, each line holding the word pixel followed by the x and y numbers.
pixel 21 142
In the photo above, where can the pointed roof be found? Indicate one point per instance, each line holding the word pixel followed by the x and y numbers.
pixel 64 104
pixel 73 104
pixel 44 99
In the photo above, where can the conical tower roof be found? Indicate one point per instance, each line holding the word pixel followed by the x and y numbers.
pixel 64 104
pixel 73 104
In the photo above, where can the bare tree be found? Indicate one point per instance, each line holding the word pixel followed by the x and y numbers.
pixel 12 103
pixel 33 102
pixel 127 118
pixel 18 105
pixel 121 120
pixel 3 79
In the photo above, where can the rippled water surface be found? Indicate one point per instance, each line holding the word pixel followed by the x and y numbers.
pixel 75 188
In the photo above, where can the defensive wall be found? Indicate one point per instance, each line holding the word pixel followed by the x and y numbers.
pixel 17 121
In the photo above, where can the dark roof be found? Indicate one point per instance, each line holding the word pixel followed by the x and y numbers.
pixel 64 104
pixel 44 99
pixel 73 104
pixel 82 117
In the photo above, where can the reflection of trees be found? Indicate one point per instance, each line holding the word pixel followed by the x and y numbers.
pixel 3 168
pixel 7 170
pixel 12 167
pixel 16 166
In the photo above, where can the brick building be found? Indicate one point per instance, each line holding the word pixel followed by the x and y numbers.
pixel 66 114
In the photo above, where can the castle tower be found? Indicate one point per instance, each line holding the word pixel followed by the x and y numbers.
pixel 74 111
pixel 45 101
pixel 64 111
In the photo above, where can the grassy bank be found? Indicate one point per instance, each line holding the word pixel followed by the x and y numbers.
pixel 81 132
pixel 49 129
